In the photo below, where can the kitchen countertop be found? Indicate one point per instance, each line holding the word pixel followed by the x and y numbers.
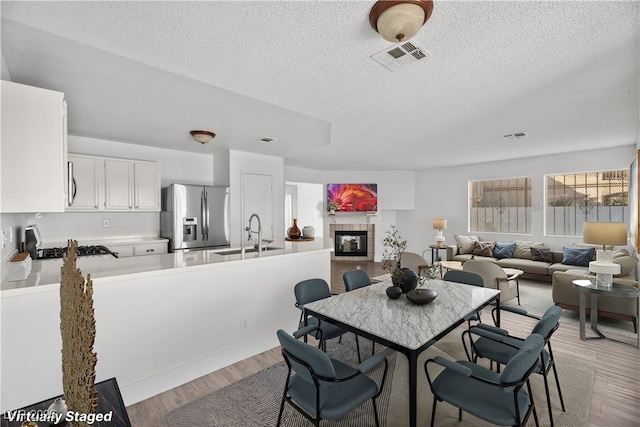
pixel 46 273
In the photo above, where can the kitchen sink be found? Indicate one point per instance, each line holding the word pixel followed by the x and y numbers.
pixel 247 250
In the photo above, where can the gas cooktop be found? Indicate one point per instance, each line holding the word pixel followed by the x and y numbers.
pixel 50 253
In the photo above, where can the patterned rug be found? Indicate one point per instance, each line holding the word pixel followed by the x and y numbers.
pixel 255 400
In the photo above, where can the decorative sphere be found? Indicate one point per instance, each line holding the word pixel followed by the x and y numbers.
pixel 394 292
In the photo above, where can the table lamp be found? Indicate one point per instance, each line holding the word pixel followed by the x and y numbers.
pixel 605 233
pixel 439 224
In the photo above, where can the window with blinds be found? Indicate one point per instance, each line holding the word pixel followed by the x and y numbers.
pixel 500 205
pixel 572 199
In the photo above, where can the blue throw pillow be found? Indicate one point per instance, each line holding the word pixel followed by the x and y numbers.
pixel 577 256
pixel 503 250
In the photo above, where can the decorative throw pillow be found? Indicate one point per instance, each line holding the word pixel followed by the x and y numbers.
pixel 483 248
pixel 541 254
pixel 465 243
pixel 523 249
pixel 577 256
pixel 503 250
pixel 627 265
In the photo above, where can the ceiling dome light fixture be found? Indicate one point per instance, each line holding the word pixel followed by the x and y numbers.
pixel 399 20
pixel 202 136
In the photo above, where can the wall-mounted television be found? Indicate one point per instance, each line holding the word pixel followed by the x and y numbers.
pixel 353 197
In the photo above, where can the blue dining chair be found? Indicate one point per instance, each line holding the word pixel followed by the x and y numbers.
pixel 496 398
pixel 311 290
pixel 356 279
pixel 320 387
pixel 498 346
pixel 469 278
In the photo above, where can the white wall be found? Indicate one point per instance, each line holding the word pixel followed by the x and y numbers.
pixel 308 209
pixel 241 163
pixel 442 193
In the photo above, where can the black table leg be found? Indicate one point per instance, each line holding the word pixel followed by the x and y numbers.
pixel 412 357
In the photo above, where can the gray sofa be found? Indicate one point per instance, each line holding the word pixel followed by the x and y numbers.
pixel 522 259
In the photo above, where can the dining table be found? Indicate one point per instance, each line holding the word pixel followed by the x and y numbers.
pixel 402 325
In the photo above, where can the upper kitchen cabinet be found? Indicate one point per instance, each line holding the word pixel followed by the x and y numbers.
pixel 118 184
pixel 147 186
pixel 132 185
pixel 86 177
pixel 33 150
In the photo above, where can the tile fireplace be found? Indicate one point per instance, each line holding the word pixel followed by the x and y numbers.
pixel 353 242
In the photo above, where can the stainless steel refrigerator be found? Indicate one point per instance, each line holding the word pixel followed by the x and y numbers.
pixel 195 216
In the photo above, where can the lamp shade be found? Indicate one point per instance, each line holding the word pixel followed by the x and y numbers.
pixel 439 224
pixel 399 20
pixel 605 233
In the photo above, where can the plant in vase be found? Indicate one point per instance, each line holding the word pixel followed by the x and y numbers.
pixel 394 247
pixel 332 206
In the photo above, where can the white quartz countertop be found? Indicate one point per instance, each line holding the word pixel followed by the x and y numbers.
pixel 47 272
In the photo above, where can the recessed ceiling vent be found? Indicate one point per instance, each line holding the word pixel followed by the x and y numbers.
pixel 400 55
pixel 517 135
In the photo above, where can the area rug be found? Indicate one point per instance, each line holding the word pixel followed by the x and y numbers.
pixel 255 400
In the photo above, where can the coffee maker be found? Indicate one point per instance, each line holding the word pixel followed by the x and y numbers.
pixel 32 240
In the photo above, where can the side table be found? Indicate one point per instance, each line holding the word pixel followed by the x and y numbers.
pixel 616 290
pixel 434 252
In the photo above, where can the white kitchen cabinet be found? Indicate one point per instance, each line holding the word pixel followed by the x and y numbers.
pixel 118 184
pixel 109 184
pixel 147 186
pixel 87 183
pixel 149 249
pixel 33 150
pixel 132 185
pixel 138 249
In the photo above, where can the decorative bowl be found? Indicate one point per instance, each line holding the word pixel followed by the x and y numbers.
pixel 421 296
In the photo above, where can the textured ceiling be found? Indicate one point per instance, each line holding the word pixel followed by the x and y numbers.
pixel 566 73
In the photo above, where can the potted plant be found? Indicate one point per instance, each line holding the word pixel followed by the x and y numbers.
pixel 332 206
pixel 394 247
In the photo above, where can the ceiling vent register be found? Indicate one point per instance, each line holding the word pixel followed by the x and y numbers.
pixel 400 55
pixel 517 135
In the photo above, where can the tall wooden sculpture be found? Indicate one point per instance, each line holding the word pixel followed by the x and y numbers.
pixel 78 328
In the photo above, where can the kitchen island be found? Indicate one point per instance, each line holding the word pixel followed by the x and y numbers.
pixel 161 320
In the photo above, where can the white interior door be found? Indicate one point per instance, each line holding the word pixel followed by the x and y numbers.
pixel 257 198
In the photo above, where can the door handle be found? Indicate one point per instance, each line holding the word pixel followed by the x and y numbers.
pixel 71 183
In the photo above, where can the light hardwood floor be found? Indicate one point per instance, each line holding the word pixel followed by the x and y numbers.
pixel 616 393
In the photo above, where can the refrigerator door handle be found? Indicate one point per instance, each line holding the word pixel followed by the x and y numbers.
pixel 203 218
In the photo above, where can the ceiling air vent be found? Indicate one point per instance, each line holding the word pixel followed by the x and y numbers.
pixel 400 55
pixel 266 140
pixel 516 135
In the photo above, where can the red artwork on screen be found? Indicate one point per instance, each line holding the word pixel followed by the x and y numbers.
pixel 354 197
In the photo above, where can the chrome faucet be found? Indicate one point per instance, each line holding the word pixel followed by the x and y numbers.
pixel 259 232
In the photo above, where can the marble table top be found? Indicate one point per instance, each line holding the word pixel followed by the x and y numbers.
pixel 399 321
